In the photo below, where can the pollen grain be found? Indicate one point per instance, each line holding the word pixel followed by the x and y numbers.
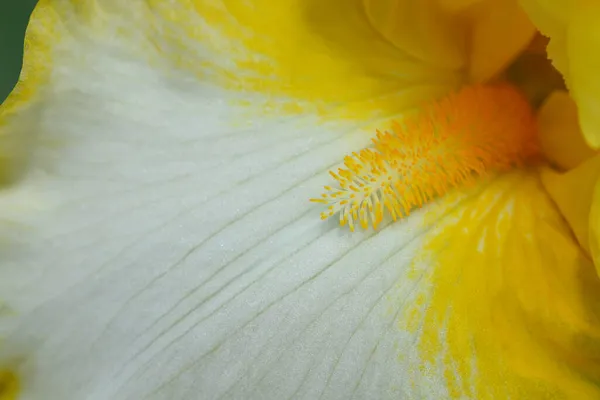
pixel 476 131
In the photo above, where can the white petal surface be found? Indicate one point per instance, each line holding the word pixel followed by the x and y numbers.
pixel 179 256
pixel 172 253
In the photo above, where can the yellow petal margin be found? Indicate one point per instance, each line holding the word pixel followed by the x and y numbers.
pixel 573 27
pixel 15 144
pixel 514 311
pixel 583 50
pixel 480 37
pixel 594 227
pixel 574 31
pixel 550 17
pixel 572 193
pixel 561 139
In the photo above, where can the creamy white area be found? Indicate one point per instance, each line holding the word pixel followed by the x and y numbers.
pixel 170 250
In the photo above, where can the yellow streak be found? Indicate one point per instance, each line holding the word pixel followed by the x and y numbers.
pixel 514 304
pixel 321 56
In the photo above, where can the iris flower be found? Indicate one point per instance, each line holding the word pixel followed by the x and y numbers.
pixel 158 241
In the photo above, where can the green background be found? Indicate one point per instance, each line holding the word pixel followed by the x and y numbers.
pixel 14 15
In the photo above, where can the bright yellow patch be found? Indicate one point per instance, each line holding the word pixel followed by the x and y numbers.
pixel 513 304
pixel 323 56
pixel 480 129
pixel 9 385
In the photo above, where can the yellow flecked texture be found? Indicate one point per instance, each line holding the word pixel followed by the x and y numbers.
pixel 514 304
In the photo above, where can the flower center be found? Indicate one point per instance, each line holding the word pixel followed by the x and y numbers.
pixel 479 130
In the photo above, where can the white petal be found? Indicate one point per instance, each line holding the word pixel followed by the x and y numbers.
pixel 177 256
pixel 172 252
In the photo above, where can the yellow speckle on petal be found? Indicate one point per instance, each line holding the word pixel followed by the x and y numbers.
pixel 9 385
pixel 519 320
pixel 478 130
pixel 324 56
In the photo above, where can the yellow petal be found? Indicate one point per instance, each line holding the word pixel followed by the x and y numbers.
pixel 560 136
pixel 453 6
pixel 574 48
pixel 419 28
pixel 500 31
pixel 515 300
pixel 311 50
pixel 550 17
pixel 572 27
pixel 482 36
pixel 594 227
pixel 572 193
pixel 583 47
